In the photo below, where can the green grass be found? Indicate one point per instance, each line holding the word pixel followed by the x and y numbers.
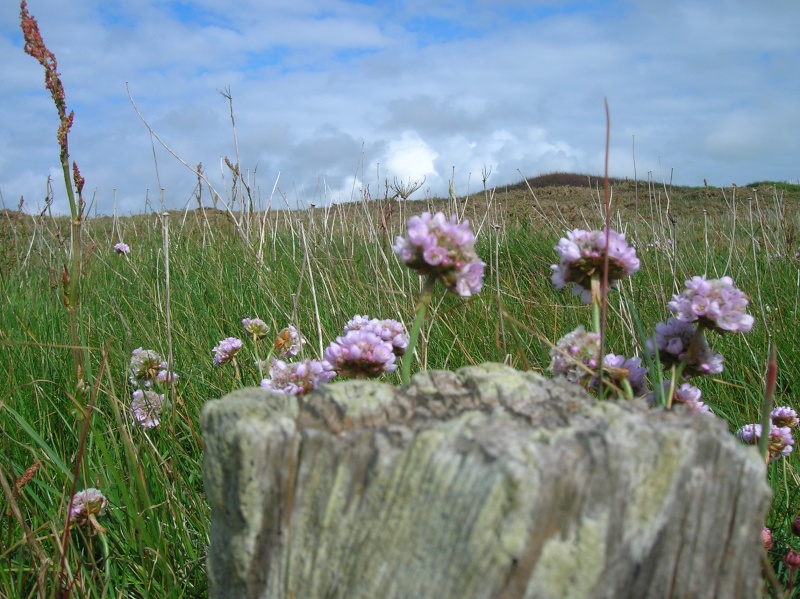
pixel 317 269
pixel 780 185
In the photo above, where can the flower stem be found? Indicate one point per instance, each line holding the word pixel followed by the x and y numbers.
pixel 769 398
pixel 422 308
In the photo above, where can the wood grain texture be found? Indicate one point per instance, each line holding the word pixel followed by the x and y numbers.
pixel 485 482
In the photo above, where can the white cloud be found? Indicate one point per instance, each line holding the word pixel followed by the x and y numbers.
pixel 410 157
pixel 324 90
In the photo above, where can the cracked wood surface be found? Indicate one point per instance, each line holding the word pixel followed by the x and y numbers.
pixel 485 482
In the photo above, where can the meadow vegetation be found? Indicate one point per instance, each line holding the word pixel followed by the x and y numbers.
pixel 316 269
pixel 82 295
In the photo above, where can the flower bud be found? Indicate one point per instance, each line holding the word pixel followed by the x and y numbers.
pixel 766 537
pixel 796 526
pixel 792 559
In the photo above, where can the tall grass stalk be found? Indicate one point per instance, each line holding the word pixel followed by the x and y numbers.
pixel 70 277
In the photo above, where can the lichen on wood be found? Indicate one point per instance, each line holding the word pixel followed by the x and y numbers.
pixel 485 482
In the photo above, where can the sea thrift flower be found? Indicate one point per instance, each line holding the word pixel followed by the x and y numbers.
pixel 147 407
pixel 620 368
pixel 714 303
pixel 784 416
pixel 792 560
pixel 582 257
pixel 296 378
pixel 445 248
pixel 288 343
pixel 122 248
pixel 255 328
pixel 389 330
pixel 780 439
pixel 796 526
pixel 226 350
pixel 360 354
pixel 87 505
pixel 145 366
pixel 780 442
pixel 766 538
pixel 749 434
pixel 688 395
pixel 574 350
pixel 165 376
pixel 674 341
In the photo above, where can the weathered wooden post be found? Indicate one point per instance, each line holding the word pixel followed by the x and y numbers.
pixel 485 482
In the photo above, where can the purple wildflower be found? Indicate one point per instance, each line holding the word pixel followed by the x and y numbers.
pixel 226 350
pixel 780 442
pixel 389 330
pixel 784 416
pixel 674 341
pixel 766 538
pixel 288 343
pixel 749 434
pixel 688 395
pixel 87 505
pixel 582 256
pixel 296 378
pixel 443 247
pixel 620 368
pixel 165 376
pixel 255 328
pixel 360 354
pixel 574 353
pixel 145 366
pixel 780 439
pixel 122 248
pixel 714 303
pixel 147 407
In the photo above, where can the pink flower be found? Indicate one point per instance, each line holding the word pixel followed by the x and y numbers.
pixel 87 505
pixel 574 354
pixel 296 378
pixel 714 303
pixel 443 247
pixel 674 340
pixel 288 343
pixel 360 354
pixel 147 407
pixel 389 330
pixel 583 255
pixel 122 248
pixel 226 350
pixel 255 328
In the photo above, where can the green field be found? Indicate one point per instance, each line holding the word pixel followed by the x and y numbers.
pixel 192 276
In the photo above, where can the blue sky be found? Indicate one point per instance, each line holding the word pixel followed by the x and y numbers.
pixel 335 96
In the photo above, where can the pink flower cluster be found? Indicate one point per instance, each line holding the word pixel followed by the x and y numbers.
pixel 147 407
pixel 389 330
pixel 122 248
pixel 225 351
pixel 620 368
pixel 675 339
pixel 86 506
pixel 714 303
pixel 255 328
pixel 360 353
pixel 687 395
pixel 147 366
pixel 582 257
pixel 288 342
pixel 574 353
pixel 437 245
pixel 296 378
pixel 783 421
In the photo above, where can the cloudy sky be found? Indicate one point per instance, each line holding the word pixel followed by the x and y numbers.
pixel 332 96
